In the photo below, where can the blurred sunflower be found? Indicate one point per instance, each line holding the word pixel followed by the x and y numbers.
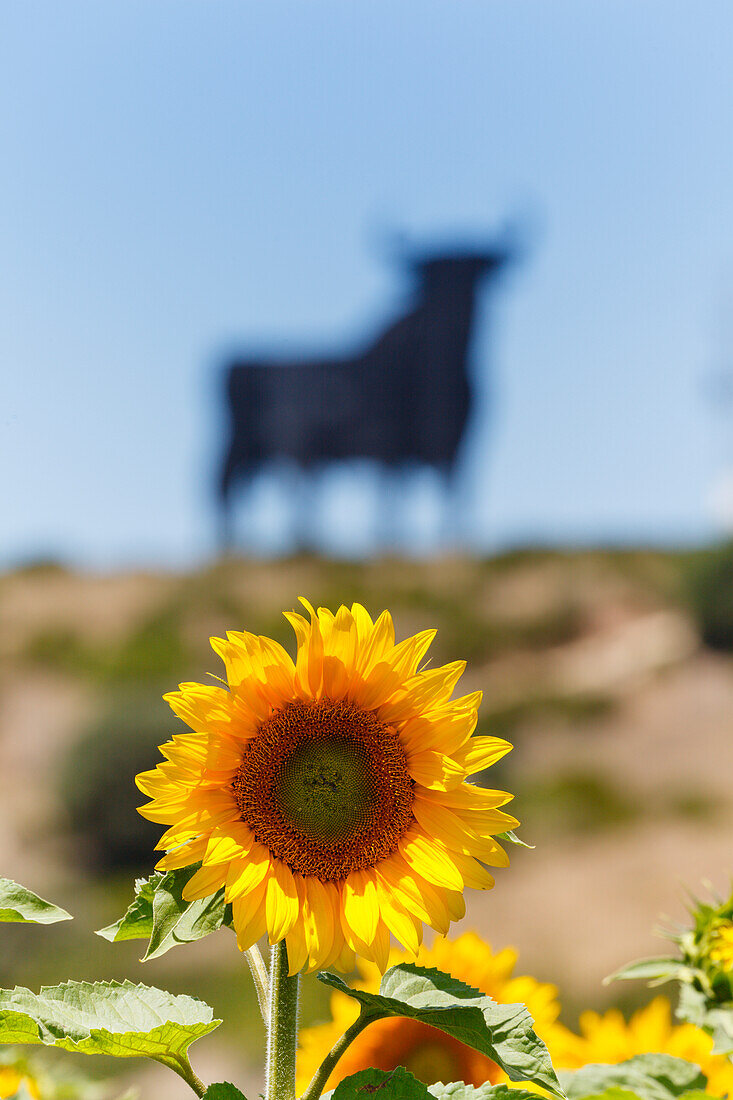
pixel 609 1038
pixel 12 1077
pixel 328 796
pixel 721 948
pixel 427 1053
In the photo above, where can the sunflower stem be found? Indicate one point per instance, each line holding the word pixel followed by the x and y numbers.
pixel 184 1069
pixel 282 1030
pixel 327 1066
pixel 259 977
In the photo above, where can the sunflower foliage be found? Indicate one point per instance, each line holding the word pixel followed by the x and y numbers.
pixel 400 1084
pixel 160 914
pixel 647 1076
pixel 19 905
pixel 702 968
pixel 644 1077
pixel 501 1032
pixel 115 1018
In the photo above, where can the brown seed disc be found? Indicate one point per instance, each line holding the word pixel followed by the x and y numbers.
pixel 326 788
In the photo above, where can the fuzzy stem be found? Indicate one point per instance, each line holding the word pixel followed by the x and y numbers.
pixel 183 1068
pixel 282 1032
pixel 259 977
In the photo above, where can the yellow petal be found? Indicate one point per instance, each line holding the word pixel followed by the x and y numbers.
pixel 461 830
pixel 343 639
pixel 380 947
pixel 318 920
pixel 455 900
pixel 442 732
pixel 427 689
pixel 413 891
pixel 338 943
pixel 468 796
pixel 363 623
pixel 437 820
pixel 481 752
pixel 248 915
pixel 297 949
pixel 360 905
pixel 202 707
pixel 435 770
pixel 430 859
pixel 345 961
pixel 335 678
pixel 474 875
pixel 228 843
pixel 295 941
pixel 309 663
pixel 406 656
pixel 183 856
pixel 282 904
pixel 205 882
pixel 245 874
pixel 402 924
pixel 379 639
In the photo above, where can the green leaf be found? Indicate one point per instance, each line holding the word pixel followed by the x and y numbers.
pixel 225 1091
pixel 510 837
pixel 458 1090
pixel 396 1084
pixel 159 914
pixel 656 971
pixel 18 905
pixel 16 1027
pixel 694 1008
pixel 648 1076
pixel 117 1018
pixel 501 1032
pixel 137 923
pixel 615 1093
pixel 401 1085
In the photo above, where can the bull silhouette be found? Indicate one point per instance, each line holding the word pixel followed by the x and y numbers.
pixel 402 400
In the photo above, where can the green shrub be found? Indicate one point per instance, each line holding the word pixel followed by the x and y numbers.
pixel 96 782
pixel 709 585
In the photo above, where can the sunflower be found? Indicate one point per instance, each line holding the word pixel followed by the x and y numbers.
pixel 328 796
pixel 609 1038
pixel 12 1077
pixel 721 950
pixel 427 1053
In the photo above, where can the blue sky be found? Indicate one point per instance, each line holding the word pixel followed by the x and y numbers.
pixel 182 178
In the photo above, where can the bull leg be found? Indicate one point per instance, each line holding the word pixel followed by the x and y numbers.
pixel 452 534
pixel 301 486
pixel 389 498
pixel 229 472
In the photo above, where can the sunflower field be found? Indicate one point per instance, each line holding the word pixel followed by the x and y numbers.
pixel 403 826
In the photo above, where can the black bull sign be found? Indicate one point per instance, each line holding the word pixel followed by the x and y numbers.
pixel 404 399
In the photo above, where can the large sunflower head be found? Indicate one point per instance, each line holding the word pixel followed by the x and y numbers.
pixel 429 1054
pixel 329 795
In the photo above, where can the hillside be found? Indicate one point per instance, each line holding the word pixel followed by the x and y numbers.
pixel 589 663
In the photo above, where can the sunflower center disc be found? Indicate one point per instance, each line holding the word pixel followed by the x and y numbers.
pixel 326 788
